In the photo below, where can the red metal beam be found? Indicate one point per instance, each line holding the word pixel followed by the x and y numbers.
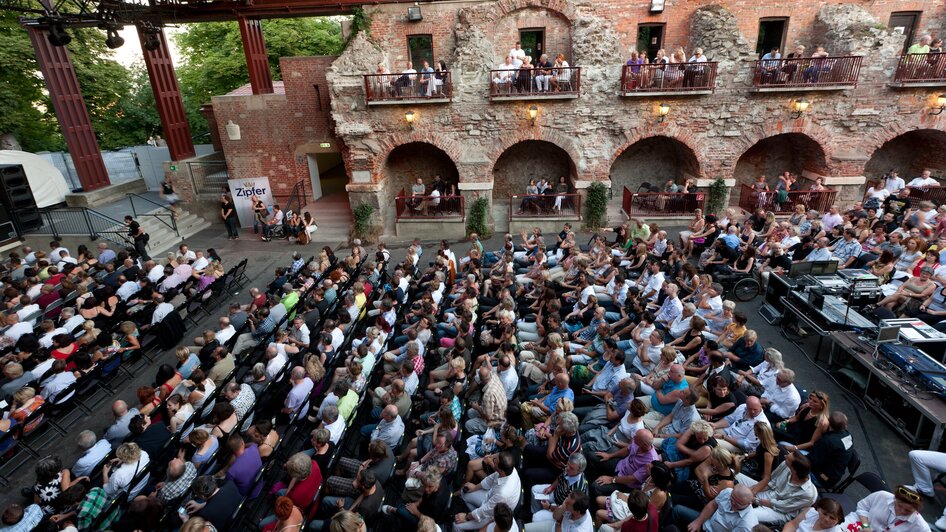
pixel 66 95
pixel 257 62
pixel 167 98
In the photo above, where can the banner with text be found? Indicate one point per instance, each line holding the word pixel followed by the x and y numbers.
pixel 243 190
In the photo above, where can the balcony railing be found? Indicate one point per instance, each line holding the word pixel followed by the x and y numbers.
pixel 918 195
pixel 694 78
pixel 550 83
pixel 751 199
pixel 807 72
pixel 921 70
pixel 661 204
pixel 564 206
pixel 426 207
pixel 433 87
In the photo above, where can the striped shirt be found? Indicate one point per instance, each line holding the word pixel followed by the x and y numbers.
pixel 566 486
pixel 567 445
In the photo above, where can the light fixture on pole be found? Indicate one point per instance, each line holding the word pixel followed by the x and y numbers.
pixel 940 105
pixel 799 107
pixel 533 113
pixel 409 116
pixel 662 110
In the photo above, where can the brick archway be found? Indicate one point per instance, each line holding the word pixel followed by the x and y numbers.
pixel 490 13
pixel 909 152
pixel 530 159
pixel 410 161
pixel 684 137
pixel 537 133
pixel 450 147
pixel 806 128
pixel 652 160
pixel 791 151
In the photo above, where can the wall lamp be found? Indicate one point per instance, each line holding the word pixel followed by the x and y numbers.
pixel 533 113
pixel 940 105
pixel 233 130
pixel 662 110
pixel 799 107
pixel 409 116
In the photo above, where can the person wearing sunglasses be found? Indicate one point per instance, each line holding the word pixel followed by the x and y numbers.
pixel 883 511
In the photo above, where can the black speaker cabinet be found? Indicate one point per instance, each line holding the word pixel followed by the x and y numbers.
pixel 17 198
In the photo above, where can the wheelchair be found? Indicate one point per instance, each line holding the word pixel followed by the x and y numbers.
pixel 740 286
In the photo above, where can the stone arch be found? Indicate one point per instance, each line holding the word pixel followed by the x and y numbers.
pixel 653 159
pixel 530 159
pixel 450 147
pixel 490 13
pixel 755 135
pixel 909 152
pixel 566 144
pixel 417 159
pixel 793 152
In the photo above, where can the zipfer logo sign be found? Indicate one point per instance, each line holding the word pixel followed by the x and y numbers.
pixel 249 189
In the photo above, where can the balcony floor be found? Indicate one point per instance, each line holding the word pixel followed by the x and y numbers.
pixel 410 101
pixel 803 88
pixel 646 94
pixel 917 83
pixel 535 96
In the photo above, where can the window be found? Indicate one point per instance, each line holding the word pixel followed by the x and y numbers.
pixel 905 23
pixel 420 48
pixel 772 33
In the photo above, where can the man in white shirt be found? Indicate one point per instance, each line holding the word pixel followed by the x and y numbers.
pixel 679 326
pixel 56 254
pixel 299 335
pixel 273 222
pixel 711 303
pixel 57 383
pixel 517 54
pixel 781 400
pixel 738 428
pixel 49 331
pixel 276 360
pixel 406 79
pixel 27 309
pixel 333 423
pixel 508 376
pixel 127 288
pixel 924 181
pixel 155 271
pixel 894 183
pixel 788 492
pixel 64 259
pixel 502 77
pixel 730 511
pixel 200 262
pixel 16 328
pixel 161 310
pixel 93 452
pixel 225 332
pixel 503 486
pixel 652 281
pixel 69 320
pixel 184 254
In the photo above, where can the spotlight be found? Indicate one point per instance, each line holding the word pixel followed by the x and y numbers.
pixel 57 35
pixel 152 42
pixel 113 40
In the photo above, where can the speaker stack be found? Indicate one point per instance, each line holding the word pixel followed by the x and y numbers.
pixel 18 201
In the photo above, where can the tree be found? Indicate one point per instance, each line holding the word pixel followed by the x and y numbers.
pixel 214 63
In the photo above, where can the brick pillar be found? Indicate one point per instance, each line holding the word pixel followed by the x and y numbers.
pixel 167 98
pixel 257 62
pixel 208 111
pixel 66 95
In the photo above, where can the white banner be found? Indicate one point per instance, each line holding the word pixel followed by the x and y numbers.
pixel 243 190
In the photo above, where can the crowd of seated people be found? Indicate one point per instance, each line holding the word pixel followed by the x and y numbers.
pixel 437 198
pixel 517 74
pixel 544 197
pixel 544 384
pixel 428 82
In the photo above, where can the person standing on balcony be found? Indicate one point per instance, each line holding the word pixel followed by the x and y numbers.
pixel 924 181
pixel 921 47
pixel 893 183
pixel 229 215
pixel 426 78
pixel 819 65
pixel 770 63
pixel 406 79
pixel 517 54
pixel 791 67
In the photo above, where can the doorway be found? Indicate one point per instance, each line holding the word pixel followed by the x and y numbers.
pixel 533 42
pixel 771 35
pixel 326 174
pixel 650 38
pixel 904 23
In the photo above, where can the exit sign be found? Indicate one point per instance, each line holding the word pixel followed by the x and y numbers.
pixel 173 168
pixel 325 145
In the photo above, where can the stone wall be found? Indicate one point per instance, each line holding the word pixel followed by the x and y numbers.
pixel 526 161
pixel 775 155
pixel 653 161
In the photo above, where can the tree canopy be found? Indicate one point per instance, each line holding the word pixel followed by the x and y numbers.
pixel 119 99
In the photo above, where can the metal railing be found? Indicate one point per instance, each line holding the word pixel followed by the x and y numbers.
pixel 432 86
pixel 296 200
pixel 82 221
pixel 751 199
pixel 421 207
pixel 163 214
pixel 921 68
pixel 209 177
pixel 675 77
pixel 565 206
pixel 807 71
pixel 661 204
pixel 917 195
pixel 539 83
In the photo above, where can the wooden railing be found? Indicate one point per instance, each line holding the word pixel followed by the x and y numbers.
pixel 420 207
pixel 751 199
pixel 921 68
pixel 807 72
pixel 432 86
pixel 675 77
pixel 548 205
pixel 660 204
pixel 549 83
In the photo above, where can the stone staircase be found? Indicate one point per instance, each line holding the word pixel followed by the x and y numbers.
pixel 163 237
pixel 332 213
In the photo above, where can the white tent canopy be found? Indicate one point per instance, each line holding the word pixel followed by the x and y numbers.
pixel 46 181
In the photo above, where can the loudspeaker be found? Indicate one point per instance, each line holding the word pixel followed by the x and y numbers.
pixel 17 197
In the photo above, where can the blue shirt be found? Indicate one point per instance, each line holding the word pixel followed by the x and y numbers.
pixel 732 241
pixel 551 400
pixel 819 254
pixel 609 377
pixel 666 388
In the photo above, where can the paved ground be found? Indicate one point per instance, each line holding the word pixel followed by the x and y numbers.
pixel 881 449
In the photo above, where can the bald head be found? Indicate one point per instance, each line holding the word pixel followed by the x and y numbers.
pixel 119 408
pixel 644 439
pixel 298 373
pixel 741 497
pixel 389 412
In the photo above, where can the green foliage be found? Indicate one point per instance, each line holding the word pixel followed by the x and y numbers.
pixel 596 206
pixel 362 215
pixel 478 219
pixel 716 201
pixel 360 21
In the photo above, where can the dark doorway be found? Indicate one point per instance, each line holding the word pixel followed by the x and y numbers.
pixel 533 42
pixel 904 23
pixel 650 38
pixel 771 35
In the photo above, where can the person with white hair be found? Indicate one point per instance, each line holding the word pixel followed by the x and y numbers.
pixel 547 497
pixel 730 511
pixel 93 452
pixel 781 399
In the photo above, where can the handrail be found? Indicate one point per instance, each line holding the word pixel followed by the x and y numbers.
pixel 539 83
pixel 296 196
pixel 807 71
pixel 433 86
pixel 658 204
pixel 921 68
pixel 82 221
pixel 751 199
pixel 443 206
pixel 545 205
pixel 170 213
pixel 672 77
